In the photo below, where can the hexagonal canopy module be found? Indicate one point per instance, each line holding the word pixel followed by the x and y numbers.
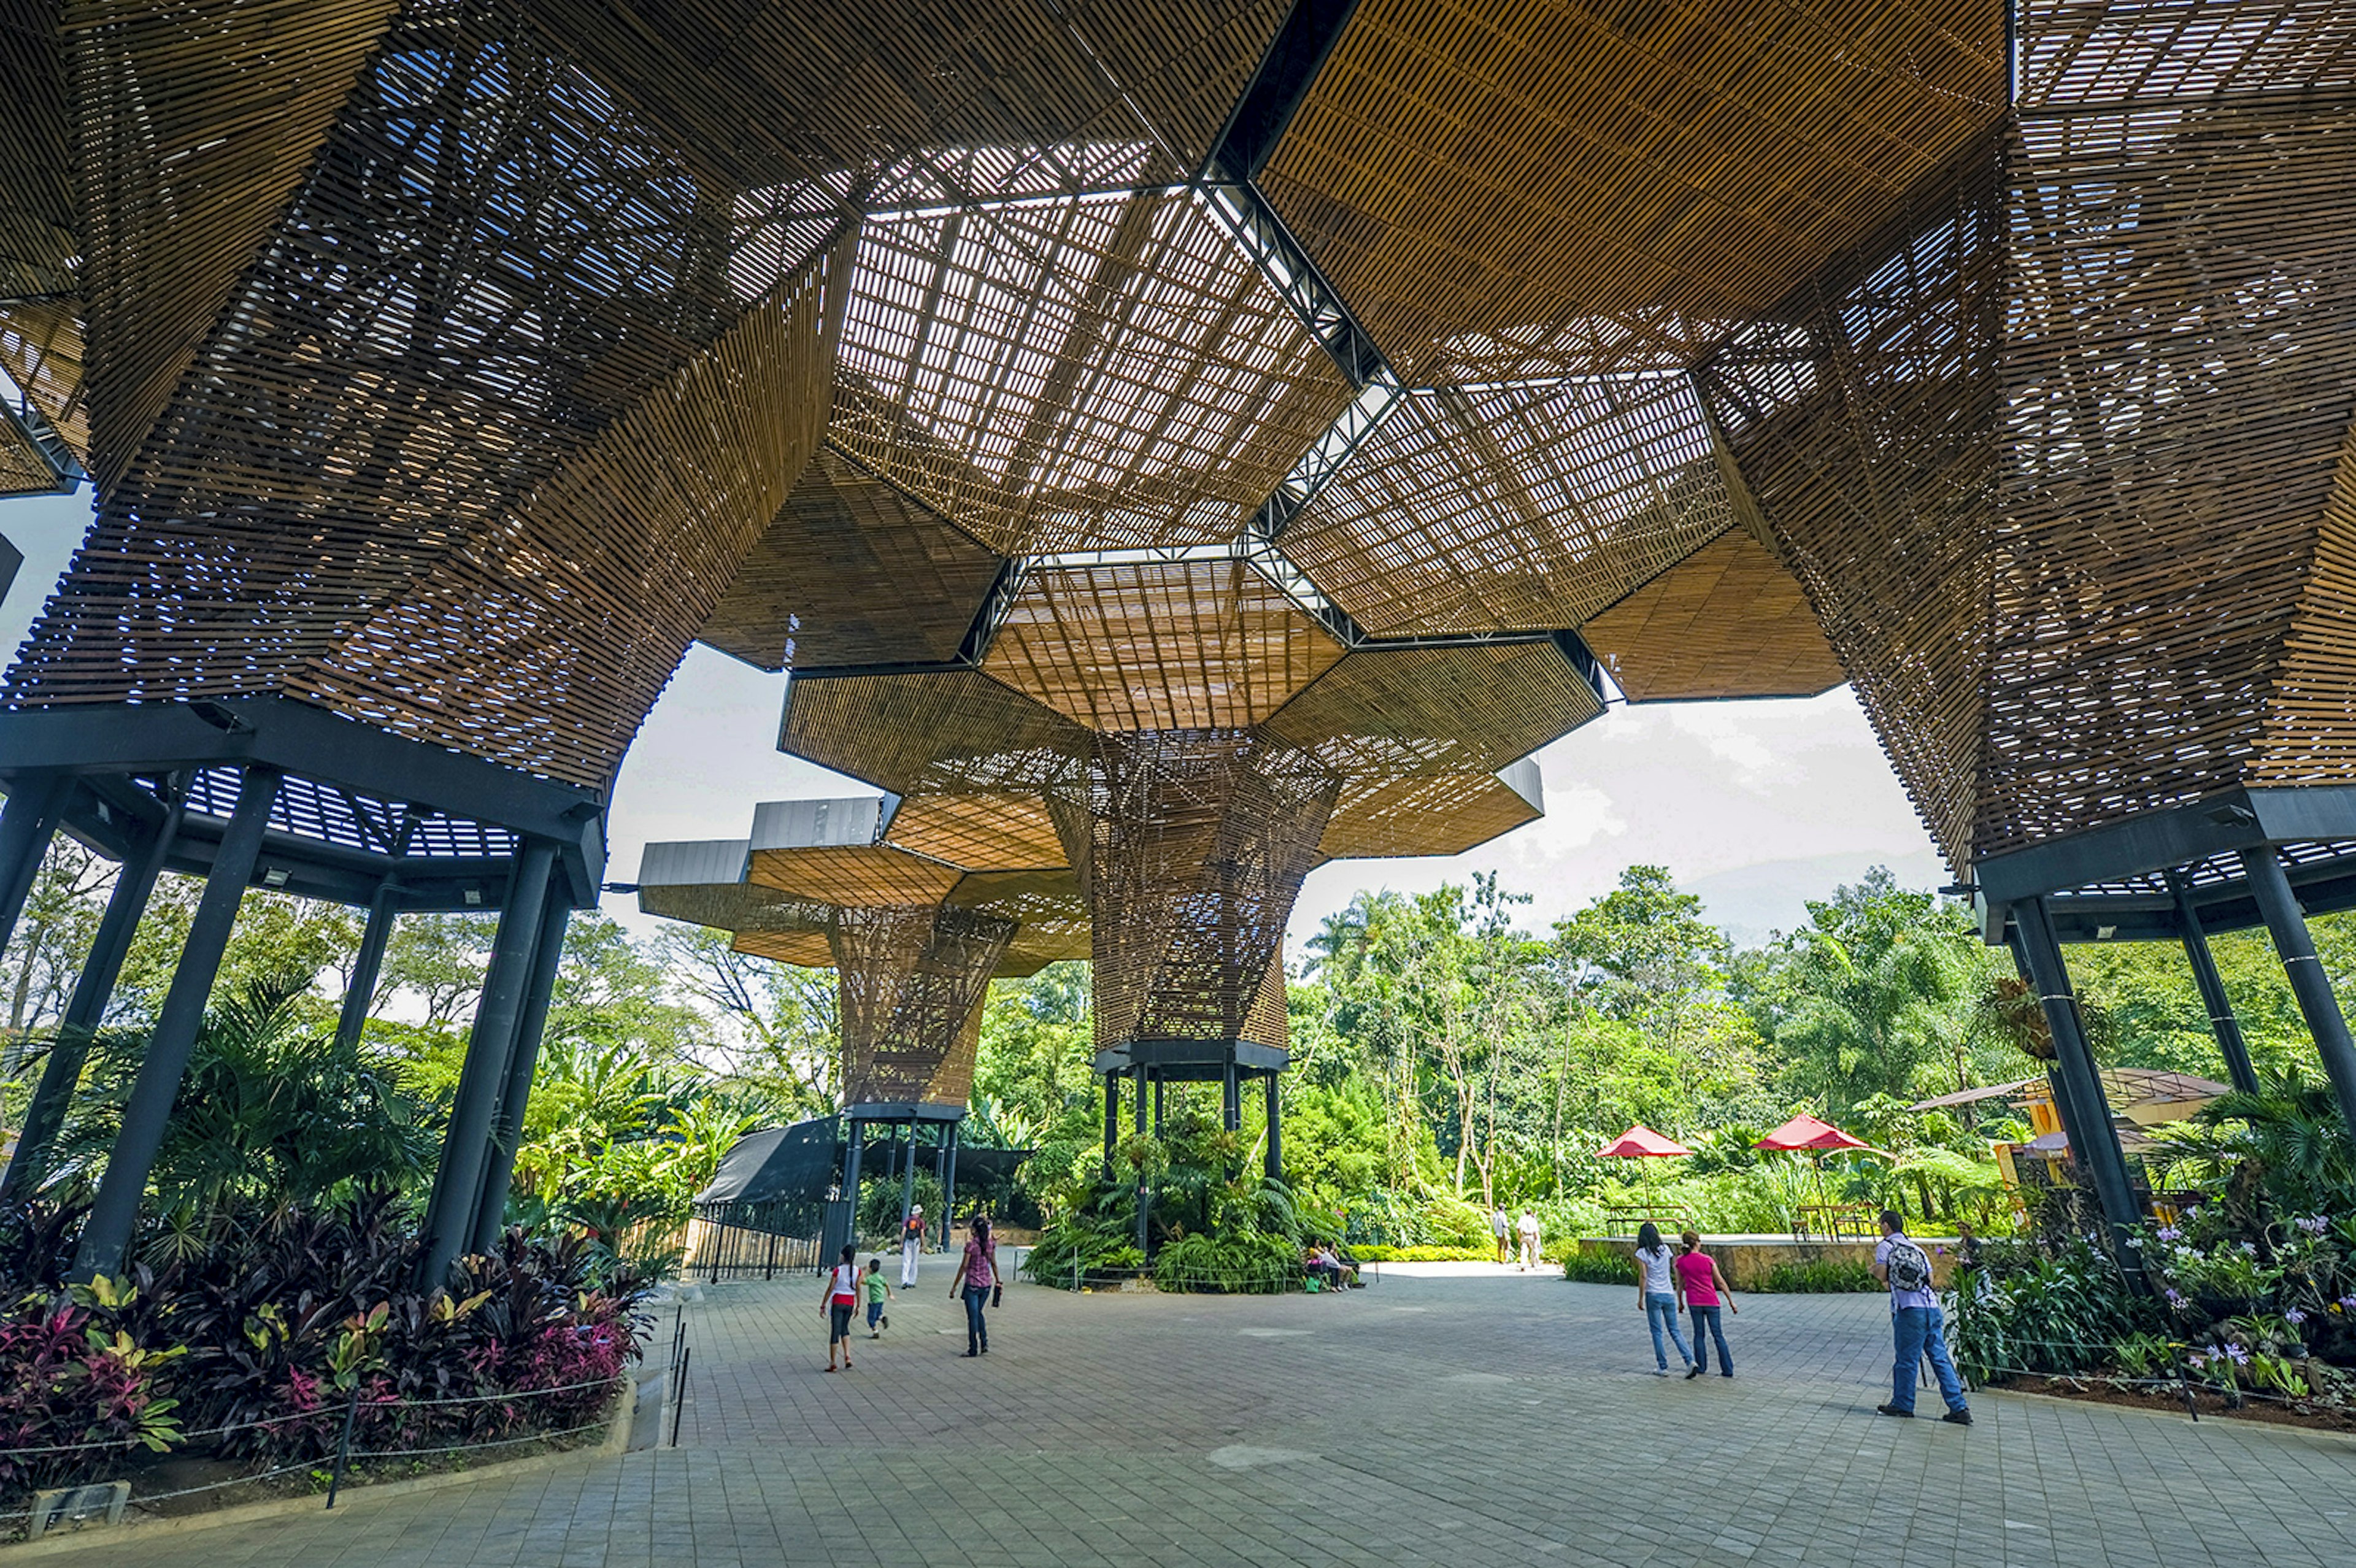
pixel 1191 736
pixel 914 939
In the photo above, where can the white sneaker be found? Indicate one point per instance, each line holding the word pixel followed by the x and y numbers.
pixel 1660 1372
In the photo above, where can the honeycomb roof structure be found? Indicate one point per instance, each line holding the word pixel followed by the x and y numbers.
pixel 452 364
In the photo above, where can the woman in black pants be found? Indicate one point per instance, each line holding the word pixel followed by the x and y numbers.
pixel 977 1281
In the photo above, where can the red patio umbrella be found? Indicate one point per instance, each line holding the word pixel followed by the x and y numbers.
pixel 1641 1141
pixel 1806 1132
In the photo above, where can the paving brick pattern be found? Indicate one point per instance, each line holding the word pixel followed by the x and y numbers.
pixel 1460 1421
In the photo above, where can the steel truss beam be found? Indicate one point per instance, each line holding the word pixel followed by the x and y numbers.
pixel 117 756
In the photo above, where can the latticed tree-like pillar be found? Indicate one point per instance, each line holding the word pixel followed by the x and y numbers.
pixel 1191 845
pixel 914 980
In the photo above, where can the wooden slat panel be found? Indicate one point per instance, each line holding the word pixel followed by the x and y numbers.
pixel 2179 376
pixel 1515 508
pixel 196 122
pixel 1862 415
pixel 1727 621
pixel 1499 185
pixel 36 205
pixel 772 92
pixel 41 350
pixel 952 732
pixel 979 832
pixel 851 571
pixel 545 645
pixel 1443 813
pixel 854 876
pixel 2076 53
pixel 1182 646
pixel 1471 709
pixel 1100 371
pixel 1191 847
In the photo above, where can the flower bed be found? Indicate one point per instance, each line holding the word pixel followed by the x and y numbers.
pixel 252 1345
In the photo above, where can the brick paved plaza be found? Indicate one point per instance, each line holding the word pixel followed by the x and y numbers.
pixel 1448 1420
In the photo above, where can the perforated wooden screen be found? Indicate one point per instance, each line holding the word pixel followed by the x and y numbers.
pixel 912 980
pixel 1192 847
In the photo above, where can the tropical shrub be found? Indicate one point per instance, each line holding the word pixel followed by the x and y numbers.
pixel 1819 1276
pixel 272 1110
pixel 2018 1306
pixel 1593 1265
pixel 277 1323
pixel 1370 1253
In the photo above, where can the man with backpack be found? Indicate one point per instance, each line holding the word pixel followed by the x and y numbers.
pixel 1916 1322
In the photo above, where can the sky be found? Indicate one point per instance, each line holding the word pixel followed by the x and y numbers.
pixel 1757 807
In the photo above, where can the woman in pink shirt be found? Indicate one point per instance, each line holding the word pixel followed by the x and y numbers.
pixel 1702 1288
pixel 977 1281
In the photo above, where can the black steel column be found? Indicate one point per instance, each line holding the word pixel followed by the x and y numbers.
pixel 134 883
pixel 907 1185
pixel 28 821
pixel 367 964
pixel 515 1083
pixel 851 1161
pixel 466 1149
pixel 2221 1021
pixel 1144 1191
pixel 1157 1104
pixel 2095 1141
pixel 1112 1118
pixel 2288 925
pixel 106 1236
pixel 948 1184
pixel 1275 1133
pixel 941 1174
pixel 1231 1099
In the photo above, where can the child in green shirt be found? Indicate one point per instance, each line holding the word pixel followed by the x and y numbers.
pixel 879 1291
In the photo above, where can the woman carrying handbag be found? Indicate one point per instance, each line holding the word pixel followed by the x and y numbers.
pixel 977 1281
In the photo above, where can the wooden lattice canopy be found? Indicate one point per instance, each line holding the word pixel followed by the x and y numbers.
pixel 450 364
pixel 914 941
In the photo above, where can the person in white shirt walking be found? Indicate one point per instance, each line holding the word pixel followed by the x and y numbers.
pixel 912 1242
pixel 1502 1228
pixel 1656 1294
pixel 1527 1228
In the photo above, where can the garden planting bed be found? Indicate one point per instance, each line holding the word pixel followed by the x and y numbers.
pixel 2209 1402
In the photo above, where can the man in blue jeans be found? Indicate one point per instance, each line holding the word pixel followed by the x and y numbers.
pixel 1916 1322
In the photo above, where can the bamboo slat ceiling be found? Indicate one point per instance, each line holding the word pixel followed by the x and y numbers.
pixel 2060 456
pixel 1443 813
pixel 787 902
pixel 1183 645
pixel 443 361
pixel 518 489
pixel 1477 171
pixel 22 469
pixel 1727 621
pixel 41 351
pixel 1109 370
pixel 851 570
pixel 37 214
pixel 1523 508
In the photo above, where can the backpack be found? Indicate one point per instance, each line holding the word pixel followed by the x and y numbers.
pixel 1909 1265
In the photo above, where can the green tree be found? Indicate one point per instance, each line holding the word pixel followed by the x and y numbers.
pixel 1873 996
pixel 271 1111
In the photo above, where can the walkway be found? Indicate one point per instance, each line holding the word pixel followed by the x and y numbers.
pixel 1457 1421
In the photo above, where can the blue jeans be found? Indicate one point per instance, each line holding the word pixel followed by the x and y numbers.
pixel 1661 1307
pixel 1920 1329
pixel 1706 1317
pixel 977 1332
